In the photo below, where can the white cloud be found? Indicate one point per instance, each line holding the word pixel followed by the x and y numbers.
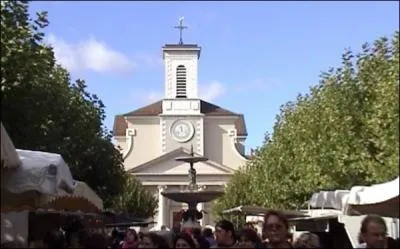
pixel 211 91
pixel 89 54
pixel 149 60
pixel 147 97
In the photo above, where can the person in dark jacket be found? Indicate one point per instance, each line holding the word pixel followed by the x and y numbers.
pixel 203 243
pixel 209 236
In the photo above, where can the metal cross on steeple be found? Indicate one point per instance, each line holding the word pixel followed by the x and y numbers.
pixel 181 27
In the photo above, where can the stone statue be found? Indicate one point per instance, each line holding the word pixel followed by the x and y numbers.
pixel 192 177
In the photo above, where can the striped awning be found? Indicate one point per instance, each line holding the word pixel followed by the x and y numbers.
pixel 9 156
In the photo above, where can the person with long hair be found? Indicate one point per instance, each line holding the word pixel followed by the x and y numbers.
pixel 183 240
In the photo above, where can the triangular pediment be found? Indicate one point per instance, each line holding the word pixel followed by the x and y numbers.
pixel 167 165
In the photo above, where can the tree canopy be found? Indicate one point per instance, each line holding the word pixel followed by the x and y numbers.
pixel 42 109
pixel 136 200
pixel 344 132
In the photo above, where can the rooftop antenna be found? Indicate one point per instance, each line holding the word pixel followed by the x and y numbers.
pixel 181 27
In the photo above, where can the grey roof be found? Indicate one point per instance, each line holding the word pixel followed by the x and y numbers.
pixel 181 46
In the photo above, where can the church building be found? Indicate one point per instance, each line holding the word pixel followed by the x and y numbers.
pixel 152 137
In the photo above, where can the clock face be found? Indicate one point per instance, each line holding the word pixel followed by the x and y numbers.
pixel 182 131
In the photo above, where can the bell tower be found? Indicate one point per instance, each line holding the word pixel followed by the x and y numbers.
pixel 181 120
pixel 181 70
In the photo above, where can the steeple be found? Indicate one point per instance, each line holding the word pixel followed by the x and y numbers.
pixel 180 63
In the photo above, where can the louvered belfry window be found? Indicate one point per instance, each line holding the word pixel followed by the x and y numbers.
pixel 181 82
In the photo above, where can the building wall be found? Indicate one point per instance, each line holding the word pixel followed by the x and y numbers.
pixel 145 141
pixel 219 142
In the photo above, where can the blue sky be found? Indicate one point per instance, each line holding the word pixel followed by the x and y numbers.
pixel 255 55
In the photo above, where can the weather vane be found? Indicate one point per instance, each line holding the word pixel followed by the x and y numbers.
pixel 181 27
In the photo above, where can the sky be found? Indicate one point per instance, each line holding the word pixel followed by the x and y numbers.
pixel 255 57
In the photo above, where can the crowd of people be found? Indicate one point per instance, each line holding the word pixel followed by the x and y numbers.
pixel 373 234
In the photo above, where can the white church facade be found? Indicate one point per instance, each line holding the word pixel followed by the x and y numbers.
pixel 151 137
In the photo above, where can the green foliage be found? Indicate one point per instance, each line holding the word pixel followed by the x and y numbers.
pixel 42 110
pixel 135 200
pixel 236 196
pixel 344 132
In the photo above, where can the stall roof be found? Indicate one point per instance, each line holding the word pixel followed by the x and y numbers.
pixel 382 199
pixel 43 172
pixel 9 156
pixel 81 190
pixel 318 214
pixel 259 211
pixel 246 210
pixel 131 224
pixel 329 199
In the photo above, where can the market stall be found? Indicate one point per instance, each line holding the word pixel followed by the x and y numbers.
pixel 66 221
pixel 382 199
pixel 42 188
pixel 259 211
pixel 83 199
pixel 40 173
pixel 345 209
pixel 9 156
pixel 336 199
pixel 44 180
pixel 255 214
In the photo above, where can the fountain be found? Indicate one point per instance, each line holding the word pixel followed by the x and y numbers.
pixel 192 195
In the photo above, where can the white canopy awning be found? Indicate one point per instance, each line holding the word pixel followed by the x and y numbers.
pixel 318 214
pixel 246 210
pixel 43 172
pixel 260 211
pixel 82 190
pixel 9 156
pixel 381 199
pixel 329 199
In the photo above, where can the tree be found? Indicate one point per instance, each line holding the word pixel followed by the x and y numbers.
pixel 43 110
pixel 238 196
pixel 135 200
pixel 344 132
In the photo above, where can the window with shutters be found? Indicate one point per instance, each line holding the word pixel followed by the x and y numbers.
pixel 181 82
